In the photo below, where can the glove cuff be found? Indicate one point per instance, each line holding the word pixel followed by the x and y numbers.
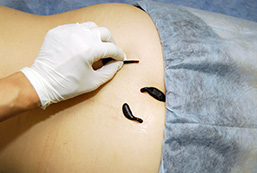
pixel 38 83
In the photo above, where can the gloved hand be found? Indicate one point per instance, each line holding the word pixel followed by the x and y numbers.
pixel 63 67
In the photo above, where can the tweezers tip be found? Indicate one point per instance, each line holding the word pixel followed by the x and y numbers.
pixel 127 61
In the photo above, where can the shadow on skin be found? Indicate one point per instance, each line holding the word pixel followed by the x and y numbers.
pixel 13 128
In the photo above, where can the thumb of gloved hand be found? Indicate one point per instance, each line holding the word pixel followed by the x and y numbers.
pixel 63 68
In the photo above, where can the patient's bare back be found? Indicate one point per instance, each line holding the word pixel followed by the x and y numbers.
pixel 88 133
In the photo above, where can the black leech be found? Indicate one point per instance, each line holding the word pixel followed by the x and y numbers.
pixel 127 112
pixel 157 94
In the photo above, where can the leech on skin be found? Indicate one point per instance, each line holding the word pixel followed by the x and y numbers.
pixel 128 114
pixel 154 92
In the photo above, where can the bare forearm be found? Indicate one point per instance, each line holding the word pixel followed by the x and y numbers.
pixel 17 95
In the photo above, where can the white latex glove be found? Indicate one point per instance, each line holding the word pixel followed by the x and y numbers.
pixel 63 67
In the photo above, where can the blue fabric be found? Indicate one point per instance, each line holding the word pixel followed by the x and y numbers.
pixel 211 109
pixel 211 101
pixel 245 9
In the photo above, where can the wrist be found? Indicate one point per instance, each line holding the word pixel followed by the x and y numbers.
pixel 28 98
pixel 39 85
pixel 17 95
pixel 24 95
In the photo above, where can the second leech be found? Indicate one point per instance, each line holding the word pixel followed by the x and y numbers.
pixel 154 92
pixel 128 114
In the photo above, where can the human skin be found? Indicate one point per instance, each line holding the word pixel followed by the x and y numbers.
pixel 88 133
pixel 18 96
